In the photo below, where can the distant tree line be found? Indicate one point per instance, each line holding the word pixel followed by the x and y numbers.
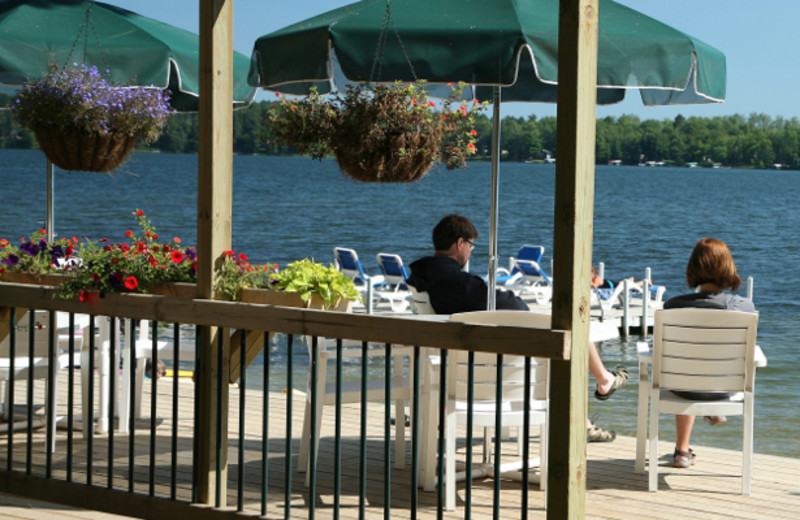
pixel 757 141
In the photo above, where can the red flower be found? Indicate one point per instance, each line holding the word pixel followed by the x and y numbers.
pixel 140 213
pixel 242 257
pixel 95 277
pixel 177 257
pixel 155 236
pixel 131 283
pixel 431 103
pixel 75 239
pixel 176 240
pixel 474 132
pixel 129 233
pixel 229 254
pixel 82 295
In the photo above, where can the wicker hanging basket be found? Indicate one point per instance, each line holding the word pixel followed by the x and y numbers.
pixel 86 152
pixel 398 157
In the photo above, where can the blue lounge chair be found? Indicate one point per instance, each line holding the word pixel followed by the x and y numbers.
pixel 348 263
pixel 394 288
pixel 527 276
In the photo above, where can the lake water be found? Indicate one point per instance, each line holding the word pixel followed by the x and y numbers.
pixel 288 208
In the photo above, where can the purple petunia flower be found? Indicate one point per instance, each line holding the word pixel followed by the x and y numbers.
pixel 30 248
pixel 10 260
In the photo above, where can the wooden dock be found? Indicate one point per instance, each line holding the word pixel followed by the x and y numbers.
pixel 709 490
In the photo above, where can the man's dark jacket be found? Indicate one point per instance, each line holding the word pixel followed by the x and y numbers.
pixel 452 290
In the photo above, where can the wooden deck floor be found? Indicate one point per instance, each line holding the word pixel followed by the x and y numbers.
pixel 709 490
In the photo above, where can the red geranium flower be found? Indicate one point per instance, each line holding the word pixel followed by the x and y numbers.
pixel 131 283
pixel 177 257
pixel 129 233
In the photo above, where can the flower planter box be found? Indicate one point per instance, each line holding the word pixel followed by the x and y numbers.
pixel 51 279
pixel 255 341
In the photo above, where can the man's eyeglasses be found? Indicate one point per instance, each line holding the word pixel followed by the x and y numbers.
pixel 471 244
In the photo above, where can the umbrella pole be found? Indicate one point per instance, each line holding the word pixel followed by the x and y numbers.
pixel 491 303
pixel 50 189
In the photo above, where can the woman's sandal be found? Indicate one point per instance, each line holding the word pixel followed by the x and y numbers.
pixel 597 434
pixel 715 420
pixel 683 459
pixel 620 378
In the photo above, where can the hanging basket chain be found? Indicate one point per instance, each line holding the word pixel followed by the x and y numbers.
pixel 375 72
pixel 84 31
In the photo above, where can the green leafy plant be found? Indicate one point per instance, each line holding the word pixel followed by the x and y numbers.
pixel 389 133
pixel 308 277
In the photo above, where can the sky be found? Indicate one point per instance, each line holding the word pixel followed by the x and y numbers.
pixel 761 41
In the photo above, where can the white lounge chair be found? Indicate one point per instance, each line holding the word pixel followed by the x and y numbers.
pixel 394 288
pixel 348 263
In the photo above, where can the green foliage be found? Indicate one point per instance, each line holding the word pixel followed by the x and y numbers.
pixel 307 277
pixel 755 141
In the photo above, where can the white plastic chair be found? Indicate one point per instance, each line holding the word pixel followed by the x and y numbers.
pixel 485 390
pixel 39 369
pixel 702 350
pixel 420 301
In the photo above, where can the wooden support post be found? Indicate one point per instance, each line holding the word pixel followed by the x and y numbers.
pixel 214 214
pixel 572 251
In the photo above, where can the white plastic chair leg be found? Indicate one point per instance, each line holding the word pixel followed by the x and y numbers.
pixel 641 416
pixel 653 464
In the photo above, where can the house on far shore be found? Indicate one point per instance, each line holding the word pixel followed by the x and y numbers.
pixel 615 162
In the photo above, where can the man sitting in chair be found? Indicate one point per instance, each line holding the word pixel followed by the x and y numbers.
pixel 452 290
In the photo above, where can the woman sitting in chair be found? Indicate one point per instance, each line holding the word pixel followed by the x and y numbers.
pixel 711 271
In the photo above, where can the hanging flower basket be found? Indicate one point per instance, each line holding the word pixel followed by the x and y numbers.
pixel 83 122
pixel 387 134
pixel 87 152
pixel 402 157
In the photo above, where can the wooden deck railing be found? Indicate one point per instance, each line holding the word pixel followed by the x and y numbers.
pixel 210 419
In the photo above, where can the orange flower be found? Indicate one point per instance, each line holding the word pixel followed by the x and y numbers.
pixel 176 240
pixel 474 132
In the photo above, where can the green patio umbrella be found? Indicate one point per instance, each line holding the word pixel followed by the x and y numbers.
pixel 133 49
pixel 493 45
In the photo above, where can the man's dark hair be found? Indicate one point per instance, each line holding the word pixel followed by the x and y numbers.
pixel 450 229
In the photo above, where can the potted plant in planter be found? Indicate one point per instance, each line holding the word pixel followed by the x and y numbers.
pixel 306 283
pixel 83 122
pixel 35 260
pixel 391 133
pixel 143 265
